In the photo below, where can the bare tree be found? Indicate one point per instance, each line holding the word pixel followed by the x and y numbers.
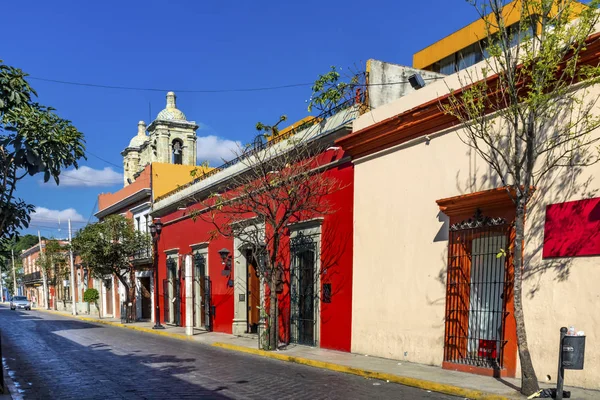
pixel 529 111
pixel 279 183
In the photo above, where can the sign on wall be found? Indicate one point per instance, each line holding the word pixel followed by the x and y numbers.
pixel 572 229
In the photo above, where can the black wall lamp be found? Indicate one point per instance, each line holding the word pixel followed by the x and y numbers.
pixel 226 260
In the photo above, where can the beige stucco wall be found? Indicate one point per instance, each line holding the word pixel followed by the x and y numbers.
pixel 400 249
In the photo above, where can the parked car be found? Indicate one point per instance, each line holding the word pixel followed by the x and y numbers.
pixel 20 302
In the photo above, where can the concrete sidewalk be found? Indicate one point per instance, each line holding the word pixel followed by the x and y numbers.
pixel 417 375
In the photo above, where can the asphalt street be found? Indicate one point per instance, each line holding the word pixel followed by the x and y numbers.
pixel 54 357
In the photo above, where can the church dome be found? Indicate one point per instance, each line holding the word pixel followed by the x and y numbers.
pixel 141 138
pixel 171 113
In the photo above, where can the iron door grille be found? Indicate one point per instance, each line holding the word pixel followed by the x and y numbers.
pixel 201 292
pixel 207 307
pixel 177 301
pixel 303 299
pixel 166 300
pixel 478 284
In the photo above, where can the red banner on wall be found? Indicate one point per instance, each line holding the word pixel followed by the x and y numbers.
pixel 572 229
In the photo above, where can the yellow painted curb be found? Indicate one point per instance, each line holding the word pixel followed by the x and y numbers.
pixel 119 325
pixel 403 380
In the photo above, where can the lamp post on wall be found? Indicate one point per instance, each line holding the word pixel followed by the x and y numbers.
pixel 155 230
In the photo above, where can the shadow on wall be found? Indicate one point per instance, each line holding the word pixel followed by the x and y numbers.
pixel 566 185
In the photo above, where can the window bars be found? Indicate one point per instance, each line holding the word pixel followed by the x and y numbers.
pixel 303 299
pixel 477 292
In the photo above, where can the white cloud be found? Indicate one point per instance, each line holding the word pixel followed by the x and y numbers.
pixel 45 215
pixel 90 177
pixel 215 149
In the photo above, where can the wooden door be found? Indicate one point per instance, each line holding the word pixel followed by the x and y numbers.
pixel 253 287
pixel 146 298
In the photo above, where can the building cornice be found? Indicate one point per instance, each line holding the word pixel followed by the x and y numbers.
pixel 132 198
pixel 429 117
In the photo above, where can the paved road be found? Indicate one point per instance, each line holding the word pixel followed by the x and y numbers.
pixel 54 357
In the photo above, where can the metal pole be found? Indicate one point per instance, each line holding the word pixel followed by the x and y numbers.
pixel 157 324
pixel 12 253
pixel 561 370
pixel 44 276
pixel 73 282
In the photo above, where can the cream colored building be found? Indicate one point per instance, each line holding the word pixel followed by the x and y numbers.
pixel 171 139
pixel 416 185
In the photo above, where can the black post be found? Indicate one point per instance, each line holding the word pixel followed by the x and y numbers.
pixel 155 230
pixel 561 370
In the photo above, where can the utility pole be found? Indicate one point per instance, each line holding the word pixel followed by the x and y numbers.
pixel 12 253
pixel 73 282
pixel 44 275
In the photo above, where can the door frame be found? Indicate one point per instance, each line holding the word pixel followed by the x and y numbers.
pixel 172 256
pixel 139 296
pixel 309 229
pixel 240 245
pixel 202 249
pixel 494 203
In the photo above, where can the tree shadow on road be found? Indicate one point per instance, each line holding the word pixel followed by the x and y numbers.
pixel 46 362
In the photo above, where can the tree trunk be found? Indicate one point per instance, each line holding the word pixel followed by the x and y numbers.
pixel 127 294
pixel 529 382
pixel 273 342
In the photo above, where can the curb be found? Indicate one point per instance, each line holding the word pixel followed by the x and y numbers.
pixel 119 325
pixel 402 380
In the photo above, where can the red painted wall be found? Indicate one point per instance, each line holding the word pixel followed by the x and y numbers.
pixel 572 229
pixel 182 235
pixel 336 264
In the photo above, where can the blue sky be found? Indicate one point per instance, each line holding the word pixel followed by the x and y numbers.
pixel 193 45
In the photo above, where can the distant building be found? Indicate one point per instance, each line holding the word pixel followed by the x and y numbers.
pixel 467 46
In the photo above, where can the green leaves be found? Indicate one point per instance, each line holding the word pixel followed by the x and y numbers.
pixel 108 247
pixel 329 91
pixel 91 295
pixel 33 139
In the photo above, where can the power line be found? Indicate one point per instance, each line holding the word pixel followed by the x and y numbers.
pixel 257 89
pixel 102 159
pixel 166 90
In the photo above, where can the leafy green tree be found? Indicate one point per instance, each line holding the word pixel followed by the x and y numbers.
pixel 331 90
pixel 533 116
pixel 54 266
pixel 16 245
pixel 33 140
pixel 108 248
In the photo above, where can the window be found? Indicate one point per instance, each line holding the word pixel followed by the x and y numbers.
pixel 177 146
pixel 477 292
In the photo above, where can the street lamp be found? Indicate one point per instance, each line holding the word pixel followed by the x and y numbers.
pixel 155 230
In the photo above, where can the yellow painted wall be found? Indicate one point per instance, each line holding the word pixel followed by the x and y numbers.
pixel 167 177
pixel 467 36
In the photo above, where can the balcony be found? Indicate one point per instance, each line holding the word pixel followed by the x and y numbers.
pixel 34 277
pixel 144 255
